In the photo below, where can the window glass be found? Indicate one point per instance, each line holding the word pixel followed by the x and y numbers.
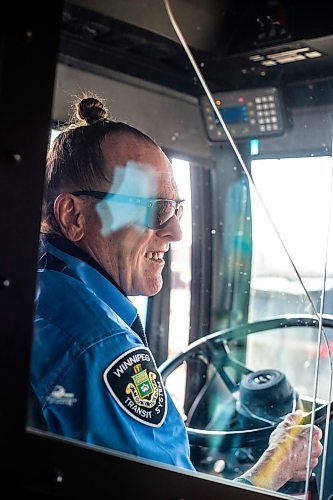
pixel 262 249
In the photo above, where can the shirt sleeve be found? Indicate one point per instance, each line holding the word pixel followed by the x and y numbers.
pixel 116 399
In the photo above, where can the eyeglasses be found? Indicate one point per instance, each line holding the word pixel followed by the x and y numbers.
pixel 159 210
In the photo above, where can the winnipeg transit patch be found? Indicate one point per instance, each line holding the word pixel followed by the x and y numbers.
pixel 136 385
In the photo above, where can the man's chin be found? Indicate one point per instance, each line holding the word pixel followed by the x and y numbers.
pixel 153 288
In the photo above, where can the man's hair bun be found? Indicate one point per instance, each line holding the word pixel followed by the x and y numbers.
pixel 91 110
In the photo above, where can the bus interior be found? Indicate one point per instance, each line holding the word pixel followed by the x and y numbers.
pixel 239 95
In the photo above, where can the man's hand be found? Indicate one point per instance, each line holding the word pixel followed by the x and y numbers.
pixel 293 439
pixel 286 457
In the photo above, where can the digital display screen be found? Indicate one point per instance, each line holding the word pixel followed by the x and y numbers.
pixel 234 114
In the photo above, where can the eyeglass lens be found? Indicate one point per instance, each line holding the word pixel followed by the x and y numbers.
pixel 162 211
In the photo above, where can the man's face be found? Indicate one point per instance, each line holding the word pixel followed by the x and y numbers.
pixel 133 256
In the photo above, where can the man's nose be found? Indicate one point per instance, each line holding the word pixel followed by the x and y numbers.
pixel 171 230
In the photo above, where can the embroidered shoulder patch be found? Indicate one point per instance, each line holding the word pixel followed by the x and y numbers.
pixel 135 383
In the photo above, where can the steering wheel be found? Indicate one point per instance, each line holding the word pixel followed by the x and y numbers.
pixel 247 432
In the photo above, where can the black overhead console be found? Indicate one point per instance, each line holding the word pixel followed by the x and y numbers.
pixel 248 114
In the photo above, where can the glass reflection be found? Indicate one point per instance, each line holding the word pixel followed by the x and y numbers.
pixel 259 269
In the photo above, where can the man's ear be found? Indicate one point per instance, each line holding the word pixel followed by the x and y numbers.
pixel 69 216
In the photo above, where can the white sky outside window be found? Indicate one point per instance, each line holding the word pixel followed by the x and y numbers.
pixel 296 193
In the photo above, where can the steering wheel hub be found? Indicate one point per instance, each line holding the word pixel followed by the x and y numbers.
pixel 266 395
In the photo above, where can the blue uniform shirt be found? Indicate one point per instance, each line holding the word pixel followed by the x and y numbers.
pixel 95 379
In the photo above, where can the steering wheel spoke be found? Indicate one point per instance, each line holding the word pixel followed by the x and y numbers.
pixel 221 359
